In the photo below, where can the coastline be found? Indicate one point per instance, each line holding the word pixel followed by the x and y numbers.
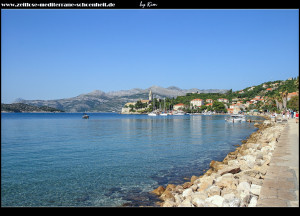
pixel 234 182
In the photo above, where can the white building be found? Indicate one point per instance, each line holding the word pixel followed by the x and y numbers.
pixel 197 102
pixel 224 100
pixel 178 106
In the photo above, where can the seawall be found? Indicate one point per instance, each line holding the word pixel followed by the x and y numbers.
pixel 237 181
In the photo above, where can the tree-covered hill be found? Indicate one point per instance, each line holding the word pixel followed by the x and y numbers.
pixel 21 107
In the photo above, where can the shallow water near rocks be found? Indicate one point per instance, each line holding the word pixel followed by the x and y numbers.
pixel 60 159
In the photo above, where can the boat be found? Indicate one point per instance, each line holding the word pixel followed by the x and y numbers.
pixel 85 116
pixel 236 118
pixel 179 113
pixel 154 111
pixel 152 114
pixel 164 113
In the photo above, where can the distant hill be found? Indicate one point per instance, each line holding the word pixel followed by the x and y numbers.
pixel 21 107
pixel 99 101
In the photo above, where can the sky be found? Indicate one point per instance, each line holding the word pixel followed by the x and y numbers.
pixel 57 53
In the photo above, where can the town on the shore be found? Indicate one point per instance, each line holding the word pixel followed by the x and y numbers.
pixel 274 97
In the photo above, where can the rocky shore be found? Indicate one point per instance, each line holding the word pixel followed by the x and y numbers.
pixel 234 182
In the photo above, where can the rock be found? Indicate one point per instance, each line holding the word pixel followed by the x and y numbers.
pixel 230 169
pixel 255 189
pixel 230 200
pixel 245 198
pixel 178 198
pixel 209 204
pixel 198 199
pixel 179 189
pixel 193 178
pixel 243 165
pixel 167 195
pixel 198 202
pixel 233 163
pixel 226 191
pixel 186 203
pixel 259 155
pixel 187 185
pixel 194 187
pixel 169 203
pixel 216 165
pixel 171 187
pixel 187 192
pixel 226 181
pixel 253 202
pixel 213 190
pixel 205 183
pixel 158 191
pixel 243 186
pixel 201 195
pixel 250 160
pixel 216 200
pixel 250 172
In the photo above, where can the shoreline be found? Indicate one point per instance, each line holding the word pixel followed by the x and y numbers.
pixel 234 182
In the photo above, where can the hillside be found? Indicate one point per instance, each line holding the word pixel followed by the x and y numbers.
pixel 272 96
pixel 20 107
pixel 99 101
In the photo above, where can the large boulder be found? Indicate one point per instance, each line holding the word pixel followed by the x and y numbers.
pixel 226 181
pixel 215 200
pixel 216 165
pixel 158 191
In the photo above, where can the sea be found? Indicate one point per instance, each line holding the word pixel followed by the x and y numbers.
pixel 108 160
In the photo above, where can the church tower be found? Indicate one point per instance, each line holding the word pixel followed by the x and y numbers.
pixel 150 95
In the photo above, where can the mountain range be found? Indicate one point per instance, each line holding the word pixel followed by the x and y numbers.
pixel 99 101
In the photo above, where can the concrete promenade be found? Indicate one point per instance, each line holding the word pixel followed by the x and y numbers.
pixel 281 184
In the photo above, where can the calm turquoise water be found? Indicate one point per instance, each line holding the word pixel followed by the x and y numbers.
pixel 59 159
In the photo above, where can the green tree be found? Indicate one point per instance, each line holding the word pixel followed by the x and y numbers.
pixel 293 103
pixel 219 107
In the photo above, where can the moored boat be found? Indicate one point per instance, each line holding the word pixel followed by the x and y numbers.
pixel 152 114
pixel 236 118
pixel 179 113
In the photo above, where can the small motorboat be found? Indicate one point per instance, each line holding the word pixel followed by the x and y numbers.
pixel 152 114
pixel 85 116
pixel 236 118
pixel 163 114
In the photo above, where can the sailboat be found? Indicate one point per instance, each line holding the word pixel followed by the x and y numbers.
pixel 153 113
pixel 164 113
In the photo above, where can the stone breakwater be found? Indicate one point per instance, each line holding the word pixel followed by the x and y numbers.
pixel 234 182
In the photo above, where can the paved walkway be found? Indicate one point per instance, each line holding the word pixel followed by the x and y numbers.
pixel 281 184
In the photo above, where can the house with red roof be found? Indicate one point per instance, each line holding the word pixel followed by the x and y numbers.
pixel 224 100
pixel 209 100
pixel 178 106
pixel 290 95
pixel 197 102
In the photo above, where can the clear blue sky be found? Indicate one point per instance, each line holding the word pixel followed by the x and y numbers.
pixel 53 54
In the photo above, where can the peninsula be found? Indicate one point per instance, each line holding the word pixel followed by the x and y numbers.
pixel 21 107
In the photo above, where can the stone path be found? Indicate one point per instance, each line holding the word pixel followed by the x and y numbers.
pixel 281 184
